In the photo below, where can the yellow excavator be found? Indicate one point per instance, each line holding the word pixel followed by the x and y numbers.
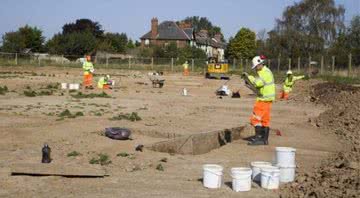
pixel 217 69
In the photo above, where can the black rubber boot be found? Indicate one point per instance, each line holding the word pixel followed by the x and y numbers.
pixel 257 133
pixel 259 136
pixel 266 135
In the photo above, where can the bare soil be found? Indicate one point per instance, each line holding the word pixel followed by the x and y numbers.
pixel 26 123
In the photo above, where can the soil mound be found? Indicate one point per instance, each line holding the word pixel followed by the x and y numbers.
pixel 339 175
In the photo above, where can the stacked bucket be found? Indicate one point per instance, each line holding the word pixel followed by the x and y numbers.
pixel 265 173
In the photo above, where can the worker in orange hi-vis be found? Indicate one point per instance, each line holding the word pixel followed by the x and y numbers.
pixel 186 68
pixel 265 88
pixel 88 68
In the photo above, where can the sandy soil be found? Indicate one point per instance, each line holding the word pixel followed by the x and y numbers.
pixel 26 123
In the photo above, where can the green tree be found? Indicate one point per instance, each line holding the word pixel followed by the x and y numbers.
pixel 203 23
pixel 117 41
pixel 24 37
pixel 243 45
pixel 84 25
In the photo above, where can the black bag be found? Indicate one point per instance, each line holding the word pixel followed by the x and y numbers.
pixel 117 133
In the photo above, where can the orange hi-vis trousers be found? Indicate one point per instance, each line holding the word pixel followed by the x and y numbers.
pixel 261 114
pixel 88 79
pixel 186 72
pixel 284 95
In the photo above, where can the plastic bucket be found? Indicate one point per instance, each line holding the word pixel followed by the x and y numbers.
pixel 63 85
pixel 285 156
pixel 287 173
pixel 270 177
pixel 212 177
pixel 256 169
pixel 241 179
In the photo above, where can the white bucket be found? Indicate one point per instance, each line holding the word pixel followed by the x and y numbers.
pixel 287 173
pixel 241 179
pixel 212 175
pixel 270 177
pixel 74 86
pixel 63 85
pixel 184 92
pixel 256 169
pixel 285 156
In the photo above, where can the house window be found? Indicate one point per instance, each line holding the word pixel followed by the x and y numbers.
pixel 147 42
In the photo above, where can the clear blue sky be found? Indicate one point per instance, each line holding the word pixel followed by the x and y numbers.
pixel 133 16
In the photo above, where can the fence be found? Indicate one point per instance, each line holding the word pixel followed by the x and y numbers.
pixel 325 65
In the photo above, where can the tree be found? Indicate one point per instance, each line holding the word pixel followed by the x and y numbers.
pixel 243 45
pixel 117 41
pixel 203 23
pixel 307 27
pixel 24 37
pixel 353 38
pixel 83 25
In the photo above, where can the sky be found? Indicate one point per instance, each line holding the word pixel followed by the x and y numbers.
pixel 133 16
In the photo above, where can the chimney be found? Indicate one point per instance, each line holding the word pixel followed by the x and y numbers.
pixel 218 37
pixel 154 27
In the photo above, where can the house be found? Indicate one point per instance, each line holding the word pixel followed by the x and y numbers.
pixel 183 35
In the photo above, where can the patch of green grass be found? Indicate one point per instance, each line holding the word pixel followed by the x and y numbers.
pixel 3 90
pixel 73 154
pixel 98 114
pixel 123 154
pixel 67 114
pixel 29 93
pixel 341 79
pixel 160 167
pixel 128 116
pixel 80 95
pixel 102 159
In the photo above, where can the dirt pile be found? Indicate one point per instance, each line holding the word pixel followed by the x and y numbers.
pixel 339 175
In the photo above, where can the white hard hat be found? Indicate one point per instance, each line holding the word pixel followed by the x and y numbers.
pixel 289 72
pixel 256 61
pixel 108 76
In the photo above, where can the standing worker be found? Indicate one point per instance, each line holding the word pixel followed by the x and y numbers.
pixel 88 68
pixel 288 84
pixel 265 86
pixel 186 68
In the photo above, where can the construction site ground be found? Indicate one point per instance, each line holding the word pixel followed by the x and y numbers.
pixel 26 123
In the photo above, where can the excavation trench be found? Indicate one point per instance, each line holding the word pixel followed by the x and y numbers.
pixel 197 144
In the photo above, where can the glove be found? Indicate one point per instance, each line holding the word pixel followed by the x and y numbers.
pixel 92 70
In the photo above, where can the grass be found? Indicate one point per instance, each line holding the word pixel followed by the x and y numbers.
pixel 341 79
pixel 73 154
pixel 102 159
pixel 3 90
pixel 67 114
pixel 123 154
pixel 30 93
pixel 81 95
pixel 128 116
pixel 160 167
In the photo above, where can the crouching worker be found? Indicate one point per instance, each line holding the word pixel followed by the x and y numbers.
pixel 264 87
pixel 88 68
pixel 105 83
pixel 288 84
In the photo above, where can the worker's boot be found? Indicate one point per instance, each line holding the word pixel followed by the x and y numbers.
pixel 257 134
pixel 266 135
pixel 259 137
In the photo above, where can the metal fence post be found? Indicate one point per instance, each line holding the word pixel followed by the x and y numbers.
pixel 39 61
pixel 269 62
pixel 246 64
pixel 289 64
pixel 16 59
pixel 298 64
pixel 322 65
pixel 192 65
pixel 350 66
pixel 333 65
pixel 172 64
pixel 278 65
pixel 107 60
pixel 234 63
pixel 242 64
pixel 309 63
pixel 152 63
pixel 129 62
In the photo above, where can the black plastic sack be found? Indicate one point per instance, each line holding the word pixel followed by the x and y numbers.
pixel 117 133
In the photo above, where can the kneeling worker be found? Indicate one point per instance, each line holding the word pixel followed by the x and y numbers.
pixel 264 84
pixel 288 84
pixel 105 82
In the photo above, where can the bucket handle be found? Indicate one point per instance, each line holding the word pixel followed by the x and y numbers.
pixel 213 172
pixel 270 178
